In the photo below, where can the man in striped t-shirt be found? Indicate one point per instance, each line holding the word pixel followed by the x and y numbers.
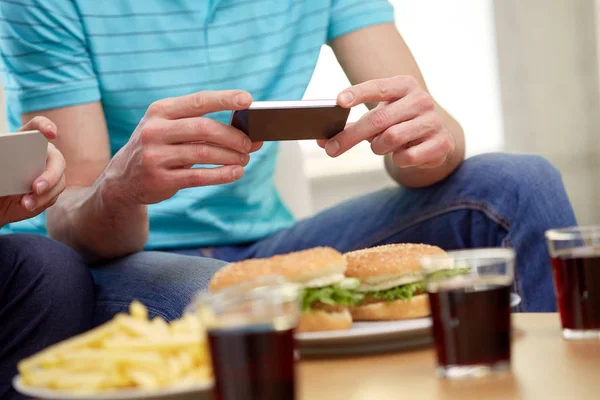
pixel 142 89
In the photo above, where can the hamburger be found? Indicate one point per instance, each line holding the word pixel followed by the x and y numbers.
pixel 326 292
pixel 391 281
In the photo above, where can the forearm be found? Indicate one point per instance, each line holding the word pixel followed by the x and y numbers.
pixel 92 215
pixel 97 223
pixel 421 177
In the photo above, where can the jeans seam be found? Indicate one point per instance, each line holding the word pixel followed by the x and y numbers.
pixel 127 304
pixel 463 204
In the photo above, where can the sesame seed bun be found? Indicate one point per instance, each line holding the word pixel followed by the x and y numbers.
pixel 299 267
pixel 391 260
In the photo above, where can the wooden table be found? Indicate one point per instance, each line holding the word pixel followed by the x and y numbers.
pixel 544 367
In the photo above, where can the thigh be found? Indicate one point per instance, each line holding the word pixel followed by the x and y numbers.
pixel 452 214
pixel 478 205
pixel 165 283
pixel 46 295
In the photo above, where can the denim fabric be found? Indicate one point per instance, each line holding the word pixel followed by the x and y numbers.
pixel 491 200
pixel 165 283
pixel 46 295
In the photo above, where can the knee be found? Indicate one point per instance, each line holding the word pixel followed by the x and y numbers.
pixel 515 172
pixel 54 278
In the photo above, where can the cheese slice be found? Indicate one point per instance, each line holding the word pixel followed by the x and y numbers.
pixel 384 283
pixel 324 281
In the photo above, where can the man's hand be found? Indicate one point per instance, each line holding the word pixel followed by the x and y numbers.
pixel 173 136
pixel 103 213
pixel 404 124
pixel 45 189
pixel 407 124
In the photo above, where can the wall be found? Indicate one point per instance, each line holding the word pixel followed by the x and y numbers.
pixel 550 89
pixel 3 124
pixel 598 41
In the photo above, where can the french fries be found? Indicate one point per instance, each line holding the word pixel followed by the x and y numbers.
pixel 127 352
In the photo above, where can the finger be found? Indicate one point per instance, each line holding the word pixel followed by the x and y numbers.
pixel 55 169
pixel 42 124
pixel 203 153
pixel 400 134
pixel 200 103
pixel 187 178
pixel 430 153
pixel 204 130
pixel 371 124
pixel 36 203
pixel 256 146
pixel 377 90
pixel 379 119
pixel 322 142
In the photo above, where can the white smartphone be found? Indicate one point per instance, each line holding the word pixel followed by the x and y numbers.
pixel 22 160
pixel 291 120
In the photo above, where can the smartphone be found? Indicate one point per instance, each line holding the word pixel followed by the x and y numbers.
pixel 22 160
pixel 291 120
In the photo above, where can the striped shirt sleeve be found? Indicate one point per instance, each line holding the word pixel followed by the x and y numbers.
pixel 351 15
pixel 45 58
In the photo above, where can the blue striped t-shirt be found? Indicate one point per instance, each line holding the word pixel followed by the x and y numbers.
pixel 129 53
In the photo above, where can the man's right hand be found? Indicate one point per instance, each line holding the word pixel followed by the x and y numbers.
pixel 173 136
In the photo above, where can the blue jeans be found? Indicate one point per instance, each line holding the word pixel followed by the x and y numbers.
pixel 491 200
pixel 46 295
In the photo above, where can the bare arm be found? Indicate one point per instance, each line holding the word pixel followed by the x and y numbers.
pixel 380 52
pixel 89 216
pixel 103 213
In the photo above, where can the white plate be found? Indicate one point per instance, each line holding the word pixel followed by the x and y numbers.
pixel 196 392
pixel 366 337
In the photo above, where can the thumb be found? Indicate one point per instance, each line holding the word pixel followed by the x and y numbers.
pixel 42 124
pixel 323 142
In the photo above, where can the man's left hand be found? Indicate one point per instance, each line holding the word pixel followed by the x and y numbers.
pixel 45 189
pixel 404 123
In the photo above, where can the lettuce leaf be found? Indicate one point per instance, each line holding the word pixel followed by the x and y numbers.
pixel 404 292
pixel 344 294
pixel 447 273
pixel 334 295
